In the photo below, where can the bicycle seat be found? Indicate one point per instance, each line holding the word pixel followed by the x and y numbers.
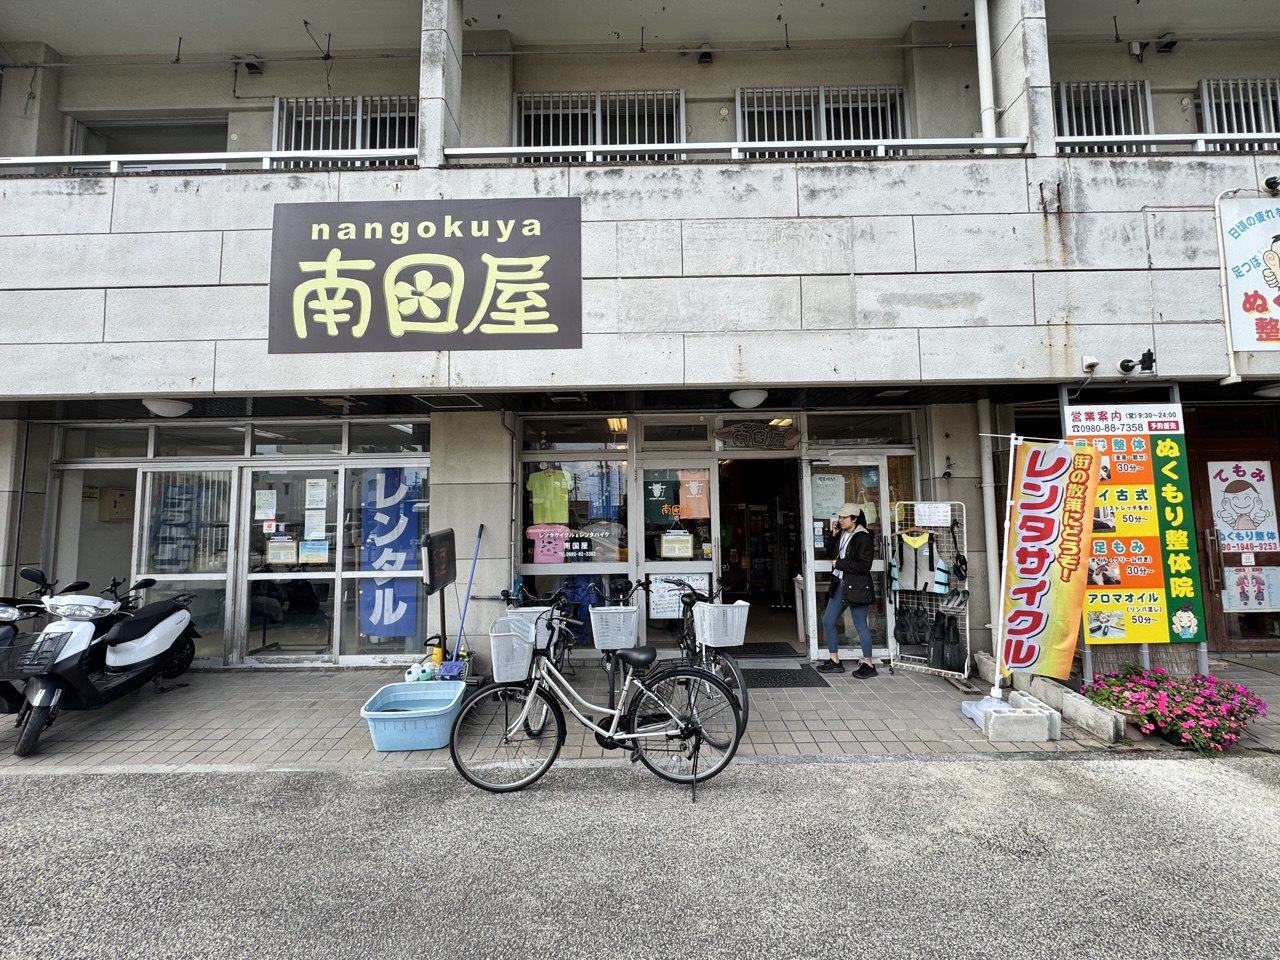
pixel 637 657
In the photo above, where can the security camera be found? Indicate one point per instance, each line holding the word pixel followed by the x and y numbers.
pixel 1089 364
pixel 1271 185
pixel 946 474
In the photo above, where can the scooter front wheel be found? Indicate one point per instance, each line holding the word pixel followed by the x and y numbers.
pixel 37 720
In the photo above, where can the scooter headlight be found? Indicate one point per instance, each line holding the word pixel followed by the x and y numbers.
pixel 8 614
pixel 80 608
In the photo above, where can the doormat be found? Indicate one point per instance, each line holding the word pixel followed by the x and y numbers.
pixel 801 676
pixel 765 648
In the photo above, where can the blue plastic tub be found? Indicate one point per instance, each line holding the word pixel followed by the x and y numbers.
pixel 413 716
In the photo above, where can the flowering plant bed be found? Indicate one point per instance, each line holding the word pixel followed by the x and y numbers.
pixel 1206 713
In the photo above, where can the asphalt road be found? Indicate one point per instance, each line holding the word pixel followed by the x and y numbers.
pixel 986 858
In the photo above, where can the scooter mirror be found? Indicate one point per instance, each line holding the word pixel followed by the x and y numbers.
pixel 34 575
pixel 73 586
pixel 143 584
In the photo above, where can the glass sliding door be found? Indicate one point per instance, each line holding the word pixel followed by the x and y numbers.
pixel 291 537
pixel 679 535
pixel 184 543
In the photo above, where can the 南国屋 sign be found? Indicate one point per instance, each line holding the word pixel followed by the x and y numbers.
pixel 426 275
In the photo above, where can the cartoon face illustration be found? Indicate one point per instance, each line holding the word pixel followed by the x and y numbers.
pixel 1271 257
pixel 1184 622
pixel 1242 506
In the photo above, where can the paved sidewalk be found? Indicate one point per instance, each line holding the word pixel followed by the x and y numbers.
pixel 268 718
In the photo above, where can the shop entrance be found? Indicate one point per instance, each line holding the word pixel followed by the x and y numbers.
pixel 1234 454
pixel 759 546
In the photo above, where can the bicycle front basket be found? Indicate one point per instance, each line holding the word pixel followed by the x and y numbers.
pixel 615 628
pixel 537 617
pixel 511 644
pixel 721 624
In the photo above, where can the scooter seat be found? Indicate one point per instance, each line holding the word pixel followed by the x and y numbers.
pixel 142 622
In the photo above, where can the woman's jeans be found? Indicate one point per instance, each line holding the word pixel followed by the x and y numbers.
pixel 831 616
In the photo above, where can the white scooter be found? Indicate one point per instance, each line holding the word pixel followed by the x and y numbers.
pixel 94 650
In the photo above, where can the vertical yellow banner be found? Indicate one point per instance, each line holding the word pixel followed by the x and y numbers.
pixel 1046 549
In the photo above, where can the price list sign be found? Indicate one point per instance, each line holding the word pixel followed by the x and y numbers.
pixel 1144 575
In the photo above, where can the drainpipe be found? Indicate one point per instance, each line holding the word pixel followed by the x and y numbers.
pixel 989 530
pixel 1232 376
pixel 986 99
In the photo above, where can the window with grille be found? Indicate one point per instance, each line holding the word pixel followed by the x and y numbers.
pixel 346 123
pixel 1240 106
pixel 602 118
pixel 1119 108
pixel 770 114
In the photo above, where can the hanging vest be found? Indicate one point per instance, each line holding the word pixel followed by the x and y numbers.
pixel 915 561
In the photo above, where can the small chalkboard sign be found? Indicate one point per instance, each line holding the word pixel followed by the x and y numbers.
pixel 439 560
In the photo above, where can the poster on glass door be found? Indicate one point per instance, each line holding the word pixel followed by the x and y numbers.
pixel 1244 505
pixel 388 541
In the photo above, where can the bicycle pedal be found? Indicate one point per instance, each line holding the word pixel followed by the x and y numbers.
pixel 635 756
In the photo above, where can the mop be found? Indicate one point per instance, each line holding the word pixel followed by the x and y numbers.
pixel 455 670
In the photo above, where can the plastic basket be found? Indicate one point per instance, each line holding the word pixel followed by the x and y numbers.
pixel 413 716
pixel 539 618
pixel 615 628
pixel 511 644
pixel 720 624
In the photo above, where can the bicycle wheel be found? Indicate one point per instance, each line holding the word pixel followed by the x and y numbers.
pixel 727 669
pixel 493 756
pixel 691 718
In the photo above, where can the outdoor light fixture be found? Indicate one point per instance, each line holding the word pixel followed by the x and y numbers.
pixel 167 408
pixel 1166 42
pixel 704 55
pixel 252 65
pixel 746 399
pixel 1271 391
pixel 1144 366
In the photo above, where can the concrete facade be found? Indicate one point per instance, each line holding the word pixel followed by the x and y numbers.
pixel 979 268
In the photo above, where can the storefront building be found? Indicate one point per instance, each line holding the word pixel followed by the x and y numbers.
pixel 645 299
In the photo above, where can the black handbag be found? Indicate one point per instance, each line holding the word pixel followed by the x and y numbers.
pixel 857 591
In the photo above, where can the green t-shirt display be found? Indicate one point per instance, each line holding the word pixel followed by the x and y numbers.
pixel 550 489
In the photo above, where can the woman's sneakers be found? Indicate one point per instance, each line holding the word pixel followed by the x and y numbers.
pixel 831 666
pixel 865 671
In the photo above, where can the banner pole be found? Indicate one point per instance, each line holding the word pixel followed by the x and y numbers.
pixel 997 616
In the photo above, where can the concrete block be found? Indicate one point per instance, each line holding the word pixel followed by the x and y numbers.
pixel 696 191
pixel 985 665
pixel 59 316
pixel 1190 349
pixel 705 304
pixel 914 186
pixel 1182 238
pixel 1185 296
pixel 884 245
pixel 113 369
pixel 472 183
pixel 1134 182
pixel 55 205
pixel 619 361
pixel 244 366
pixel 177 313
pixel 648 248
pixel 600 249
pixel 811 356
pixel 246 256
pixel 77 261
pixel 969 243
pixel 1017 724
pixel 1022 353
pixel 1021 680
pixel 470 447
pixel 826 303
pixel 1026 701
pixel 943 300
pixel 758 247
pixel 243 202
pixel 1048 691
pixel 1101 723
pixel 1070 297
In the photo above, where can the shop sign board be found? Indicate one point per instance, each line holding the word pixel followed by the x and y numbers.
pixel 664 596
pixel 1051 494
pixel 426 275
pixel 1244 505
pixel 1251 266
pixel 1144 572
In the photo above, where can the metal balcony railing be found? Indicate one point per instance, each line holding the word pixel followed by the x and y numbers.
pixel 1151 142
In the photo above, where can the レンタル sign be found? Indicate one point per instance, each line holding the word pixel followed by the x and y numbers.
pixel 426 275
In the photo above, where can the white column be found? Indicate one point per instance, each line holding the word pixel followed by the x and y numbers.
pixel 1021 79
pixel 440 81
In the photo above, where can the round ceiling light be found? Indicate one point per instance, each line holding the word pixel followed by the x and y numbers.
pixel 746 399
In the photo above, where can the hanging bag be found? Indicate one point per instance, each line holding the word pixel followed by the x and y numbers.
pixel 960 563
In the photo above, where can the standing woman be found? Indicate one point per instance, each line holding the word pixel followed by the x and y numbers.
pixel 852 550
